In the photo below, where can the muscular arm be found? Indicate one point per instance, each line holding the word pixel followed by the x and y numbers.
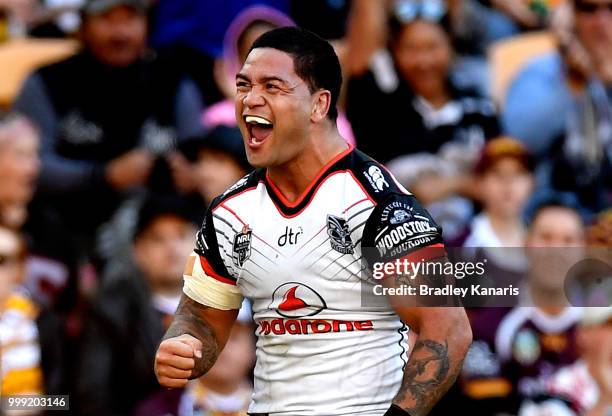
pixel 210 326
pixel 444 336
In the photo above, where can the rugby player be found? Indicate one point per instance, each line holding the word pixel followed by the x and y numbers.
pixel 291 237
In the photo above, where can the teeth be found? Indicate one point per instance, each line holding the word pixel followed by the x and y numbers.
pixel 257 120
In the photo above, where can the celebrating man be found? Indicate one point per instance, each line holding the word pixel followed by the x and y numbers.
pixel 320 349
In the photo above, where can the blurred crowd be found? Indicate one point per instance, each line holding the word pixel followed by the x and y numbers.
pixel 108 159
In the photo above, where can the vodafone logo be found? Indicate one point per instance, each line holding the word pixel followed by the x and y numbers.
pixel 295 300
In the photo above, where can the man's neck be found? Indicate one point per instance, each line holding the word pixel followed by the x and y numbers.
pixel 293 178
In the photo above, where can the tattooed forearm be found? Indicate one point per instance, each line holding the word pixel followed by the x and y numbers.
pixel 429 374
pixel 187 320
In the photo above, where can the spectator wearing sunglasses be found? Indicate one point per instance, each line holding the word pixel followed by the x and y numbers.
pixel 417 107
pixel 419 112
pixel 472 24
pixel 560 105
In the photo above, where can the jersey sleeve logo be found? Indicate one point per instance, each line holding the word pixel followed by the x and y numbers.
pixel 376 178
pixel 397 213
pixel 242 246
pixel 339 235
pixel 235 186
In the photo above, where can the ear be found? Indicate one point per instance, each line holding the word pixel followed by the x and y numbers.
pixel 320 105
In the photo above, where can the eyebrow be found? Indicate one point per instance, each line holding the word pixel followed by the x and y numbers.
pixel 264 79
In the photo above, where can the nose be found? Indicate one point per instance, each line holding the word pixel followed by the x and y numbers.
pixel 253 98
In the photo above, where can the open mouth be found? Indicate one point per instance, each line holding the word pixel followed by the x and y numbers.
pixel 259 129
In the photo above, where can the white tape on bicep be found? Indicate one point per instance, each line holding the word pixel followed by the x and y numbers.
pixel 210 292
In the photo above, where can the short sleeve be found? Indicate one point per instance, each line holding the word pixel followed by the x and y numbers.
pixel 206 279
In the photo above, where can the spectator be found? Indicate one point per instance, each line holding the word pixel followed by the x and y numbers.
pixel 189 35
pixel 516 351
pixel 20 367
pixel 587 384
pixel 105 115
pixel 50 254
pixel 473 27
pixel 436 127
pixel 560 106
pixel 131 312
pixel 224 390
pixel 420 109
pixel 219 160
pixel 246 27
pixel 504 180
pixel 19 166
pixel 590 283
pixel 49 274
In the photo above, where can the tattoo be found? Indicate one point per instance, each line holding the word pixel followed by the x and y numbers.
pixel 187 320
pixel 427 377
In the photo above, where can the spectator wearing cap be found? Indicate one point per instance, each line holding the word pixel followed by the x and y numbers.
pixel 504 181
pixel 105 116
pixel 418 107
pixel 131 312
pixel 560 105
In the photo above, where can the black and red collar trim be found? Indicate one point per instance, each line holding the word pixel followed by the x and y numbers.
pixel 291 209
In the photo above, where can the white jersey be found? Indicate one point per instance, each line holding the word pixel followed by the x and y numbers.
pixel 320 350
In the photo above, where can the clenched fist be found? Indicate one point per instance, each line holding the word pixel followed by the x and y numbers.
pixel 176 359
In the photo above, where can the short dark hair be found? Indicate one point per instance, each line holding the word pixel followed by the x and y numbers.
pixel 314 59
pixel 553 199
pixel 153 207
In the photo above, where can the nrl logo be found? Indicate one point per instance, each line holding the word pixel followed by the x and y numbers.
pixel 242 246
pixel 339 235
